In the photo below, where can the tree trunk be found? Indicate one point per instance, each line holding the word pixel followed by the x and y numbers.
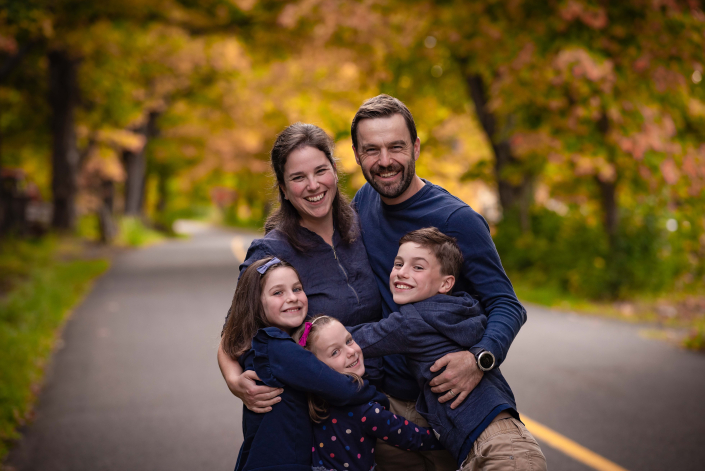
pixel 107 227
pixel 136 169
pixel 162 191
pixel 608 192
pixel 3 200
pixel 63 97
pixel 511 196
pixel 608 200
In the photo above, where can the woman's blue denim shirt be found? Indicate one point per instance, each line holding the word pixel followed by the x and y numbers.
pixel 337 280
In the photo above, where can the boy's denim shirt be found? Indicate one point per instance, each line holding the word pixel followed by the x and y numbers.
pixel 424 332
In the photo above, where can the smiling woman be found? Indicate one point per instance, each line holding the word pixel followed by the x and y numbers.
pixel 303 162
pixel 316 231
pixel 310 186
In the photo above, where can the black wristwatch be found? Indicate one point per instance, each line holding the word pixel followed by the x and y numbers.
pixel 485 360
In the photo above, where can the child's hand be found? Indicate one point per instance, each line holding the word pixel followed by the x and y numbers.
pixel 460 377
pixel 258 399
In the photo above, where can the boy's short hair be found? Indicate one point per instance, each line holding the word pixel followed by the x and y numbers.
pixel 444 247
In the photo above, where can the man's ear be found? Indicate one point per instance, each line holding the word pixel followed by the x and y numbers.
pixel 357 157
pixel 282 188
pixel 447 284
pixel 417 148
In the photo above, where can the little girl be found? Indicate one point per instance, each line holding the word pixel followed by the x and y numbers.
pixel 269 303
pixel 345 436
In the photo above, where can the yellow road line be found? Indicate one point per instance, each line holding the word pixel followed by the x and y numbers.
pixel 237 245
pixel 569 447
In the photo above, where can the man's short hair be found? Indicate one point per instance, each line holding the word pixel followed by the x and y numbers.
pixel 445 248
pixel 382 106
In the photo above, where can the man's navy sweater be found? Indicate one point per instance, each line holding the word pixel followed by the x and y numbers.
pixel 426 331
pixel 482 275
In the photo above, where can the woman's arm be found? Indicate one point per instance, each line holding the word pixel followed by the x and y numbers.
pixel 256 398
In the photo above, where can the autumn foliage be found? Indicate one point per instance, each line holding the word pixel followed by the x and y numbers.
pixel 576 127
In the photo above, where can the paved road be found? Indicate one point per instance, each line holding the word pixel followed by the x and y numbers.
pixel 136 385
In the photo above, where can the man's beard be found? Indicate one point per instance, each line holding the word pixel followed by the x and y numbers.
pixel 393 190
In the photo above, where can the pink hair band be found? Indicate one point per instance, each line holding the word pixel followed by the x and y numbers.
pixel 304 336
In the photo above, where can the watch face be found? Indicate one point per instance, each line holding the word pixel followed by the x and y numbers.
pixel 486 361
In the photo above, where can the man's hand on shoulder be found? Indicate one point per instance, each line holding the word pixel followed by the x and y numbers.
pixel 460 377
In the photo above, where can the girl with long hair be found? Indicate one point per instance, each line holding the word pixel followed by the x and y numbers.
pixel 268 305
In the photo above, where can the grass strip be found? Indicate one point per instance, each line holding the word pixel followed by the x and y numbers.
pixel 41 289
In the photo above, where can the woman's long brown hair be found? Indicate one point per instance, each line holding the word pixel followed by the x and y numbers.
pixel 317 407
pixel 286 218
pixel 246 311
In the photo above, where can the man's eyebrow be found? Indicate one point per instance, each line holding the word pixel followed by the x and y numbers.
pixel 415 259
pixel 396 143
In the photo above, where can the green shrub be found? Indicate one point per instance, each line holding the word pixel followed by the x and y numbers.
pixel 41 294
pixel 134 233
pixel 576 257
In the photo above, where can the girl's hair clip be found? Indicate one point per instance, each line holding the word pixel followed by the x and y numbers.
pixel 307 330
pixel 304 336
pixel 263 269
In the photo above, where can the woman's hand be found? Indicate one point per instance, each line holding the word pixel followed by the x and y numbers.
pixel 258 399
pixel 460 376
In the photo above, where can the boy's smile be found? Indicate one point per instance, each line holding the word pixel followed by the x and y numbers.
pixel 416 275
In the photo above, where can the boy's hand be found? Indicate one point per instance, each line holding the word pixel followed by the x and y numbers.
pixel 460 377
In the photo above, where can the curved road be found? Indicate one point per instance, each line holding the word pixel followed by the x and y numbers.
pixel 136 385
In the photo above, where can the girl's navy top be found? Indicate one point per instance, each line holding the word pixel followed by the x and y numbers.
pixel 346 440
pixel 281 439
pixel 337 280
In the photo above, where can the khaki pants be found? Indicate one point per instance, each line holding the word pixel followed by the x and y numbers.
pixel 391 458
pixel 505 445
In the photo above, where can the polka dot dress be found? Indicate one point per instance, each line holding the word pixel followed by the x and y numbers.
pixel 346 439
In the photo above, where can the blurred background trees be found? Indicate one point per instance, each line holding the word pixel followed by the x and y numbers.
pixel 577 128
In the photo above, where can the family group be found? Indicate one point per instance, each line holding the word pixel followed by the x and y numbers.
pixel 369 334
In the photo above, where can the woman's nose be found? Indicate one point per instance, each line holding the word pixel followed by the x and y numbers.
pixel 313 183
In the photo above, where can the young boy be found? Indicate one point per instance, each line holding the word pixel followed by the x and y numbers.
pixel 431 323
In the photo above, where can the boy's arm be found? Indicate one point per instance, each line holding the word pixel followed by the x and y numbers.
pixel 398 431
pixel 374 370
pixel 384 337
